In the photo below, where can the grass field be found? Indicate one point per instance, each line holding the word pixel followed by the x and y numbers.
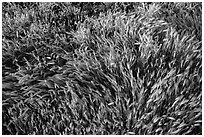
pixel 101 68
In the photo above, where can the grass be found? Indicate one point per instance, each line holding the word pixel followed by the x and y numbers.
pixel 120 68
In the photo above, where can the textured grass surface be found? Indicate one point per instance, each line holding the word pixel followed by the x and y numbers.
pixel 102 68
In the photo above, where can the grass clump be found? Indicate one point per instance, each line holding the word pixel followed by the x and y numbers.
pixel 69 70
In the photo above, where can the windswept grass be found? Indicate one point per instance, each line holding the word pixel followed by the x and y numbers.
pixel 114 70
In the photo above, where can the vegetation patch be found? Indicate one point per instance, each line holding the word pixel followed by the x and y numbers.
pixel 101 68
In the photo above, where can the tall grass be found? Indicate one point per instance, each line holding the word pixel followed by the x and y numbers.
pixel 125 72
